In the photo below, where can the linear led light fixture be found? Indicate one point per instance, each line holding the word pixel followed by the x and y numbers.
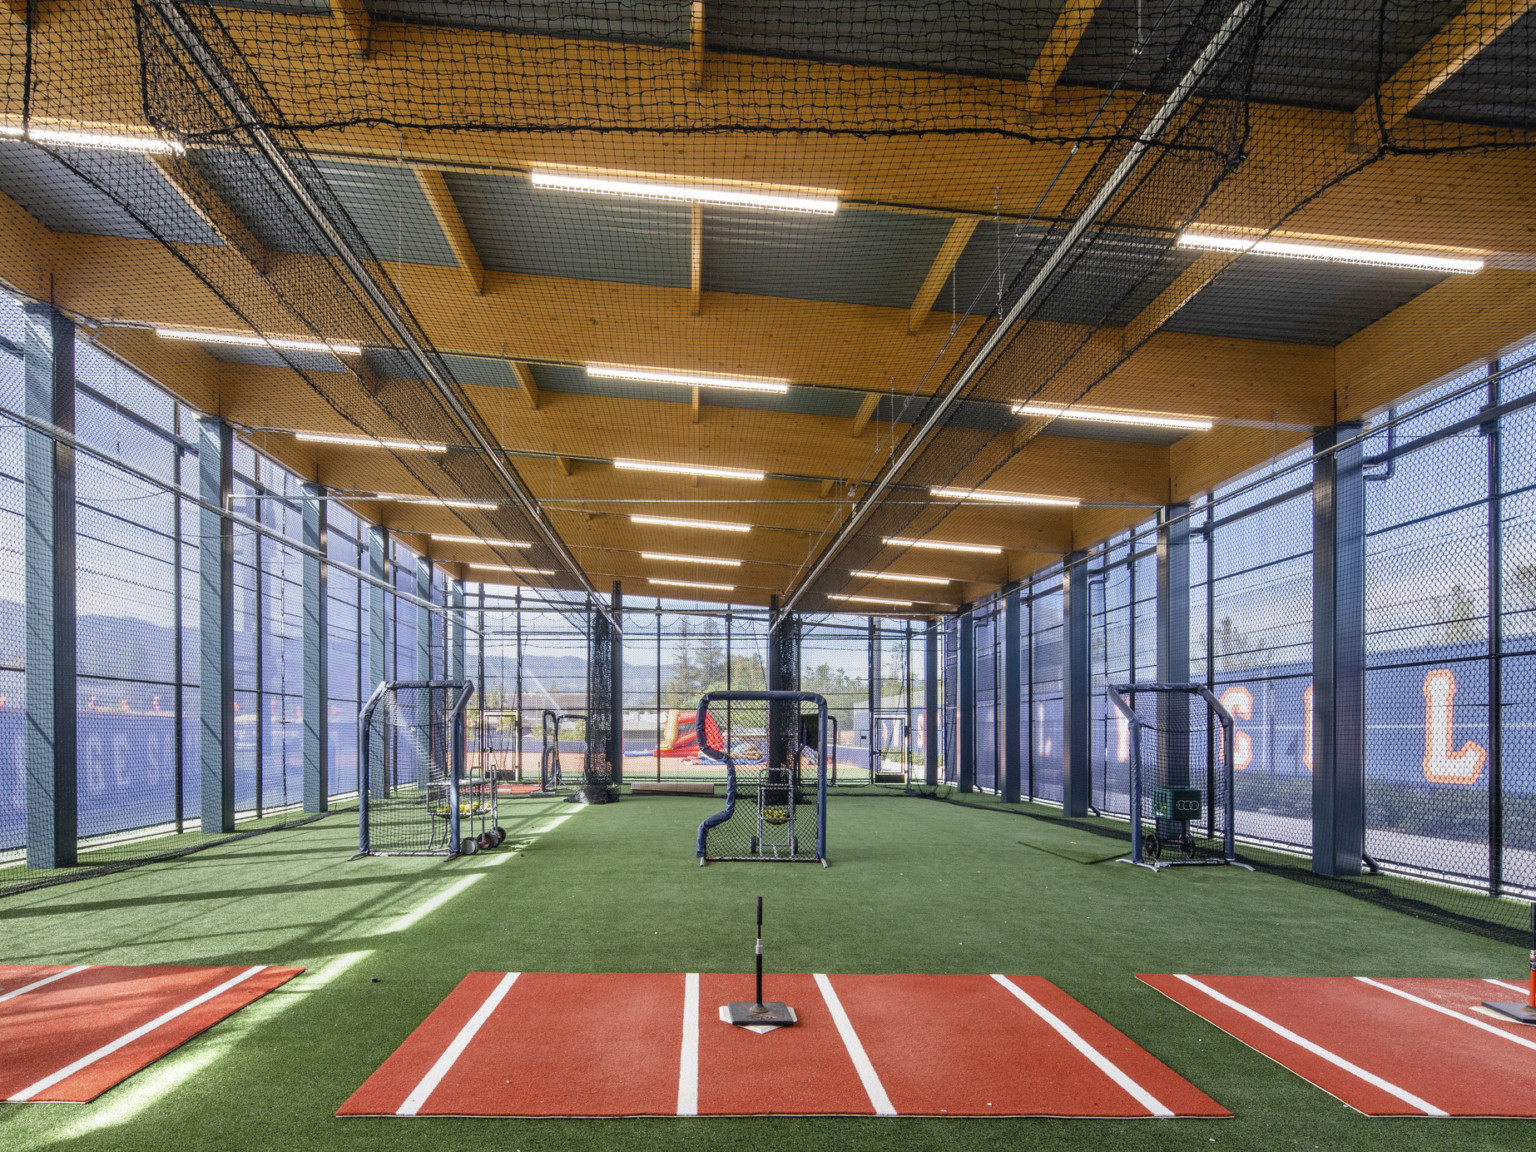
pixel 1099 416
pixel 369 442
pixel 404 499
pixel 482 540
pixel 694 379
pixel 904 576
pixel 718 561
pixel 240 340
pixel 704 525
pixel 870 600
pixel 983 497
pixel 690 193
pixel 514 568
pixel 688 469
pixel 107 141
pixel 694 584
pixel 1333 253
pixel 943 545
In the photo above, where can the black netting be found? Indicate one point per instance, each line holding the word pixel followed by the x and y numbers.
pixel 774 751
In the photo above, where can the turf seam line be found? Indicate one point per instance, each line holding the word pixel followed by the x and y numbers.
pixel 428 1083
pixel 1451 1012
pixel 45 980
pixel 861 1062
pixel 129 1037
pixel 1148 1101
pixel 1300 1041
pixel 688 1065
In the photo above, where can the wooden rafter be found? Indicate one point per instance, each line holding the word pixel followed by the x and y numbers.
pixel 17 10
pixel 943 264
pixel 1068 31
pixel 440 197
pixel 867 409
pixel 1185 287
pixel 1446 53
pixel 356 25
pixel 529 386
pixel 214 210
pixel 696 259
pixel 696 45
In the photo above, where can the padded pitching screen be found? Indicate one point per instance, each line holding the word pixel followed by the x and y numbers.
pixel 773 746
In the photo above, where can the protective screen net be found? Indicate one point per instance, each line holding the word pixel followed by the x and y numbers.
pixel 776 779
pixel 417 768
pixel 1179 786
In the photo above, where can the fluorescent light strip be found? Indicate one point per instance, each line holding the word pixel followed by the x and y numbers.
pixel 1139 419
pixel 107 141
pixel 703 525
pixel 718 561
pixel 1337 254
pixel 942 546
pixel 688 469
pixel 483 540
pixel 870 600
pixel 241 340
pixel 434 501
pixel 904 576
pixel 695 379
pixel 514 568
pixel 984 497
pixel 370 442
pixel 702 193
pixel 694 584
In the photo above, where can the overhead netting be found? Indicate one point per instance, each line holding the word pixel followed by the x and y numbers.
pixel 774 750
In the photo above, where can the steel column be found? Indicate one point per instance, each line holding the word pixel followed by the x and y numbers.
pixel 216 607
pixel 379 663
pixel 316 653
pixel 1013 697
pixel 616 684
pixel 456 639
pixel 965 706
pixel 50 741
pixel 1076 761
pixel 1338 653
pixel 1172 642
pixel 931 704
pixel 1491 430
pixel 424 619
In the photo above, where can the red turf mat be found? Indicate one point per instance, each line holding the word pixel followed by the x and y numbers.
pixel 70 1033
pixel 598 1044
pixel 1384 1046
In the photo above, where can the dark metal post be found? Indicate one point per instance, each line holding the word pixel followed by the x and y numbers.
pixel 316 644
pixel 424 620
pixel 1076 760
pixel 965 706
pixel 1491 430
pixel 216 599
pixel 931 704
pixel 379 637
pixel 457 645
pixel 1338 654
pixel 1173 649
pixel 50 741
pixel 1013 697
pixel 616 686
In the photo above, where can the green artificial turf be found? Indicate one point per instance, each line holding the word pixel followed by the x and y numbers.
pixel 914 887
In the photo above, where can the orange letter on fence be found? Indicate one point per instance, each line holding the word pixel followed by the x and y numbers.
pixel 1306 727
pixel 1441 765
pixel 1239 701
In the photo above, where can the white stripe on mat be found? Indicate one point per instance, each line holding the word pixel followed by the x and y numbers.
pixel 44 980
pixel 445 1062
pixel 1148 1101
pixel 1337 1061
pixel 856 1053
pixel 688 1065
pixel 1465 1019
pixel 129 1037
pixel 1505 984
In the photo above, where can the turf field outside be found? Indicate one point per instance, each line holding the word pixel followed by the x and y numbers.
pixel 914 887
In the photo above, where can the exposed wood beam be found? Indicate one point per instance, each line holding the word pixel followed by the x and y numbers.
pixel 17 9
pixel 695 404
pixel 696 29
pixel 943 264
pixel 1068 31
pixel 566 464
pixel 360 368
pixel 867 408
pixel 529 386
pixel 696 259
pixel 1446 53
pixel 1185 287
pixel 355 24
pixel 438 195
pixel 214 210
